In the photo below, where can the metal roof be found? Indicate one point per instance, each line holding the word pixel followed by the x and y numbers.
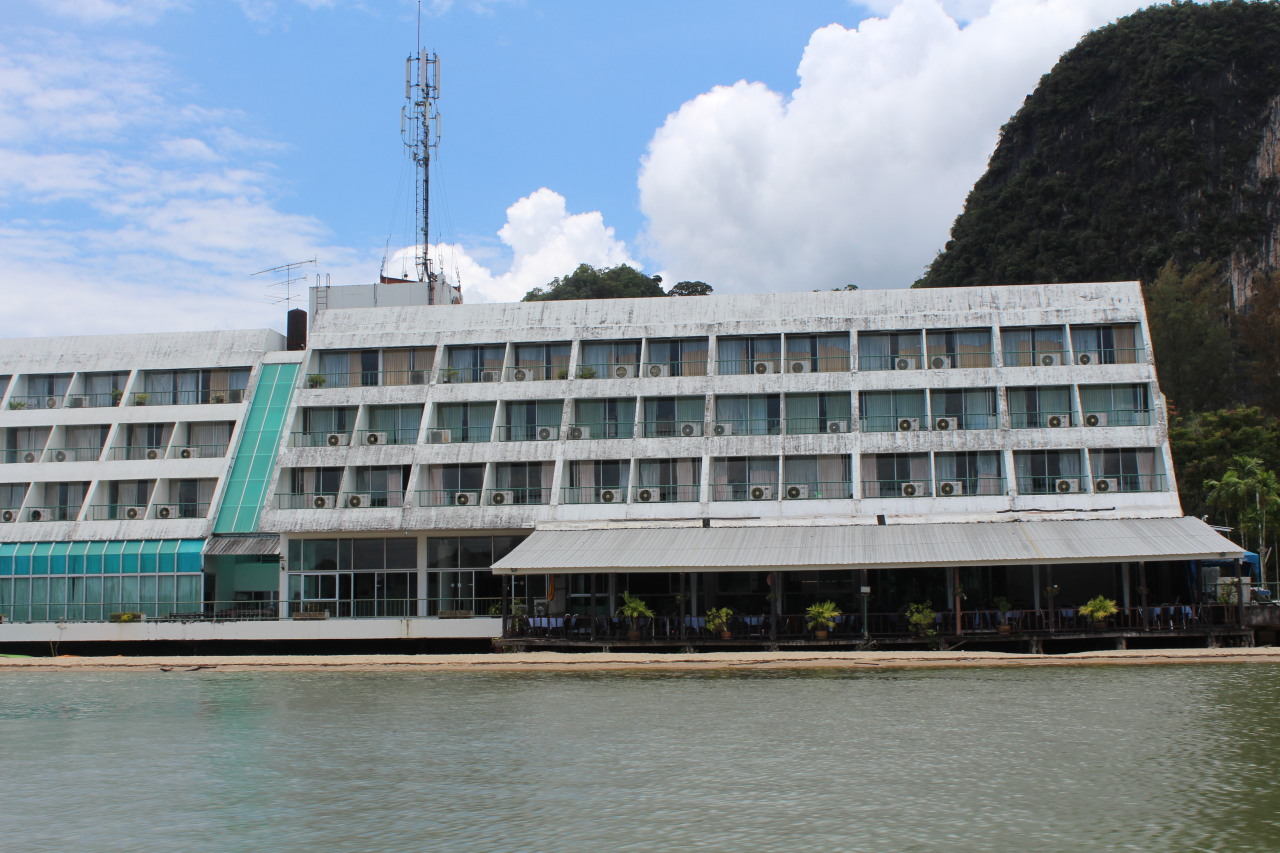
pixel 243 546
pixel 702 549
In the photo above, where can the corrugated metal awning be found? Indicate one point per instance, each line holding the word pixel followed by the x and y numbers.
pixel 900 546
pixel 242 546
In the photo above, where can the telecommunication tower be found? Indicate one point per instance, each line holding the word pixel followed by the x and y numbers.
pixel 420 130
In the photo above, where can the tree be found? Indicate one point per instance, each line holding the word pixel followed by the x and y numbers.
pixel 690 288
pixel 1187 316
pixel 587 282
pixel 1247 494
pixel 1260 341
pixel 1205 445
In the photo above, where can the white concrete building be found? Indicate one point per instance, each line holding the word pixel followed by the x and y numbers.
pixel 378 477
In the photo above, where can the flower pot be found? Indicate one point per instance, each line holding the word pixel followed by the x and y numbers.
pixel 726 635
pixel 634 635
pixel 1005 628
pixel 820 634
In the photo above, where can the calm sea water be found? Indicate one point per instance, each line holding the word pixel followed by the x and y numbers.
pixel 1089 759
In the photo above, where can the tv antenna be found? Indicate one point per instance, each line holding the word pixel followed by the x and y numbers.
pixel 291 276
pixel 420 130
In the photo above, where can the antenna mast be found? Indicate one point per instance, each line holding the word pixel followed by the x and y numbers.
pixel 420 129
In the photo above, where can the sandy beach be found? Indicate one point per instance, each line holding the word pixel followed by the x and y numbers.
pixel 597 662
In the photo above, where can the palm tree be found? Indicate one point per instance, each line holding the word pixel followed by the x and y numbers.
pixel 1247 493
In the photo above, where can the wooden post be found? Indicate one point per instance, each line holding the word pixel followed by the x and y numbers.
pixel 955 585
pixel 682 607
pixel 1142 592
pixel 777 606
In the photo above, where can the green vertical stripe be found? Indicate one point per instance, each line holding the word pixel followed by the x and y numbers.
pixel 255 456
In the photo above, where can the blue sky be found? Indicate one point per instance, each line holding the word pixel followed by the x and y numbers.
pixel 155 153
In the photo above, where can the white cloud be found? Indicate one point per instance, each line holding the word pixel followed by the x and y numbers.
pixel 857 175
pixel 111 11
pixel 545 241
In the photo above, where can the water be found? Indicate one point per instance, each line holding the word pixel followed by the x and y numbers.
pixel 1042 759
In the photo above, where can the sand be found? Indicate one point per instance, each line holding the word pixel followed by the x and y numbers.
pixel 609 662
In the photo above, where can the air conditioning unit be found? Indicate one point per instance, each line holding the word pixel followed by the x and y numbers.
pixel 1066 486
pixel 466 498
pixel 154 453
pixel 948 488
pixel 189 453
pixel 1095 419
pixel 8 515
pixel 336 439
pixel 318 502
pixel 438 436
pixel 801 366
pixel 656 370
pixel 75 402
pixel 490 376
pixel 943 424
pixel 1048 360
pixel 502 498
pixel 692 429
pixel 797 492
pixel 547 433
pixel 577 432
pixel 940 362
pixel 372 438
pixel 837 426
pixel 649 495
pixel 624 371
pixel 166 511
pixel 357 501
pixel 760 367
pixel 1107 484
pixel 520 374
pixel 723 429
pixel 51 403
pixel 761 493
pixel 133 512
pixel 235 395
pixel 908 424
pixel 1055 421
pixel 35 515
pixel 609 496
pixel 1087 358
pixel 906 362
pixel 913 490
pixel 29 456
pixel 59 456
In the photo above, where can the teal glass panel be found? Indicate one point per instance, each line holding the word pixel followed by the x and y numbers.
pixel 190 555
pixel 111 558
pixel 93 555
pixel 129 592
pixel 75 558
pixel 190 592
pixel 255 455
pixel 147 557
pixel 40 558
pixel 22 558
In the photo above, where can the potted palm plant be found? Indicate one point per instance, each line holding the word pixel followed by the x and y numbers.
pixel 1002 615
pixel 922 619
pixel 718 622
pixel 820 617
pixel 1098 610
pixel 634 609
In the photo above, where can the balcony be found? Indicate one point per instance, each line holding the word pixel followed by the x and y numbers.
pixel 608 370
pixel 762 366
pixel 517 496
pixel 896 488
pixel 1052 484
pixel 902 361
pixel 375 437
pixel 459 435
pixel 117 512
pixel 1109 355
pixel 955 487
pixel 365 379
pixel 93 401
pixel 941 360
pixel 307 500
pixel 185 398
pixel 894 423
pixel 320 438
pixel 1043 419
pixel 58 512
pixel 599 430
pixel 135 453
pixel 1042 357
pixel 449 497
pixel 198 451
pixel 746 426
pixel 1103 483
pixel 181 509
pixel 537 372
pixel 815 364
pixel 672 429
pixel 1116 417
pixel 809 490
pixel 528 432
pixel 456 375
pixel 965 421
pixel 36 401
pixel 372 500
pixel 744 491
pixel 25 456
pixel 72 454
pixel 814 426
pixel 593 494
pixel 674 492
pixel 659 369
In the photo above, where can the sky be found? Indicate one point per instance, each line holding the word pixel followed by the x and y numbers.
pixel 155 154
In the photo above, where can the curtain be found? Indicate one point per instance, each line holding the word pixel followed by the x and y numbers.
pixel 208 435
pixel 877 411
pixel 973 348
pixel 396 366
pixel 735 355
pixel 802 413
pixel 874 352
pixel 734 412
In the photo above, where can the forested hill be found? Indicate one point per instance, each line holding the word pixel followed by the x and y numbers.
pixel 1156 138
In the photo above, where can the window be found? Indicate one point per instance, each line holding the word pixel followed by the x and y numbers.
pixel 1047 472
pixel 540 361
pixel 667 417
pixel 1038 346
pixel 474 364
pixel 752 414
pixel 814 477
pixel 398 424
pixel 817 353
pixel 893 411
pixel 668 480
pixel 969 473
pixel 319 423
pixel 597 481
pixel 1115 405
pixel 958 348
pixel 890 351
pixel 741 478
pixel 1040 407
pixel 445 483
pixel 527 482
pixel 677 357
pixel 604 418
pixel 532 420
pixel 969 408
pixel 895 475
pixel 815 413
pixel 379 486
pixel 466 422
pixel 609 360
pixel 759 354
pixel 1119 344
pixel 1127 470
